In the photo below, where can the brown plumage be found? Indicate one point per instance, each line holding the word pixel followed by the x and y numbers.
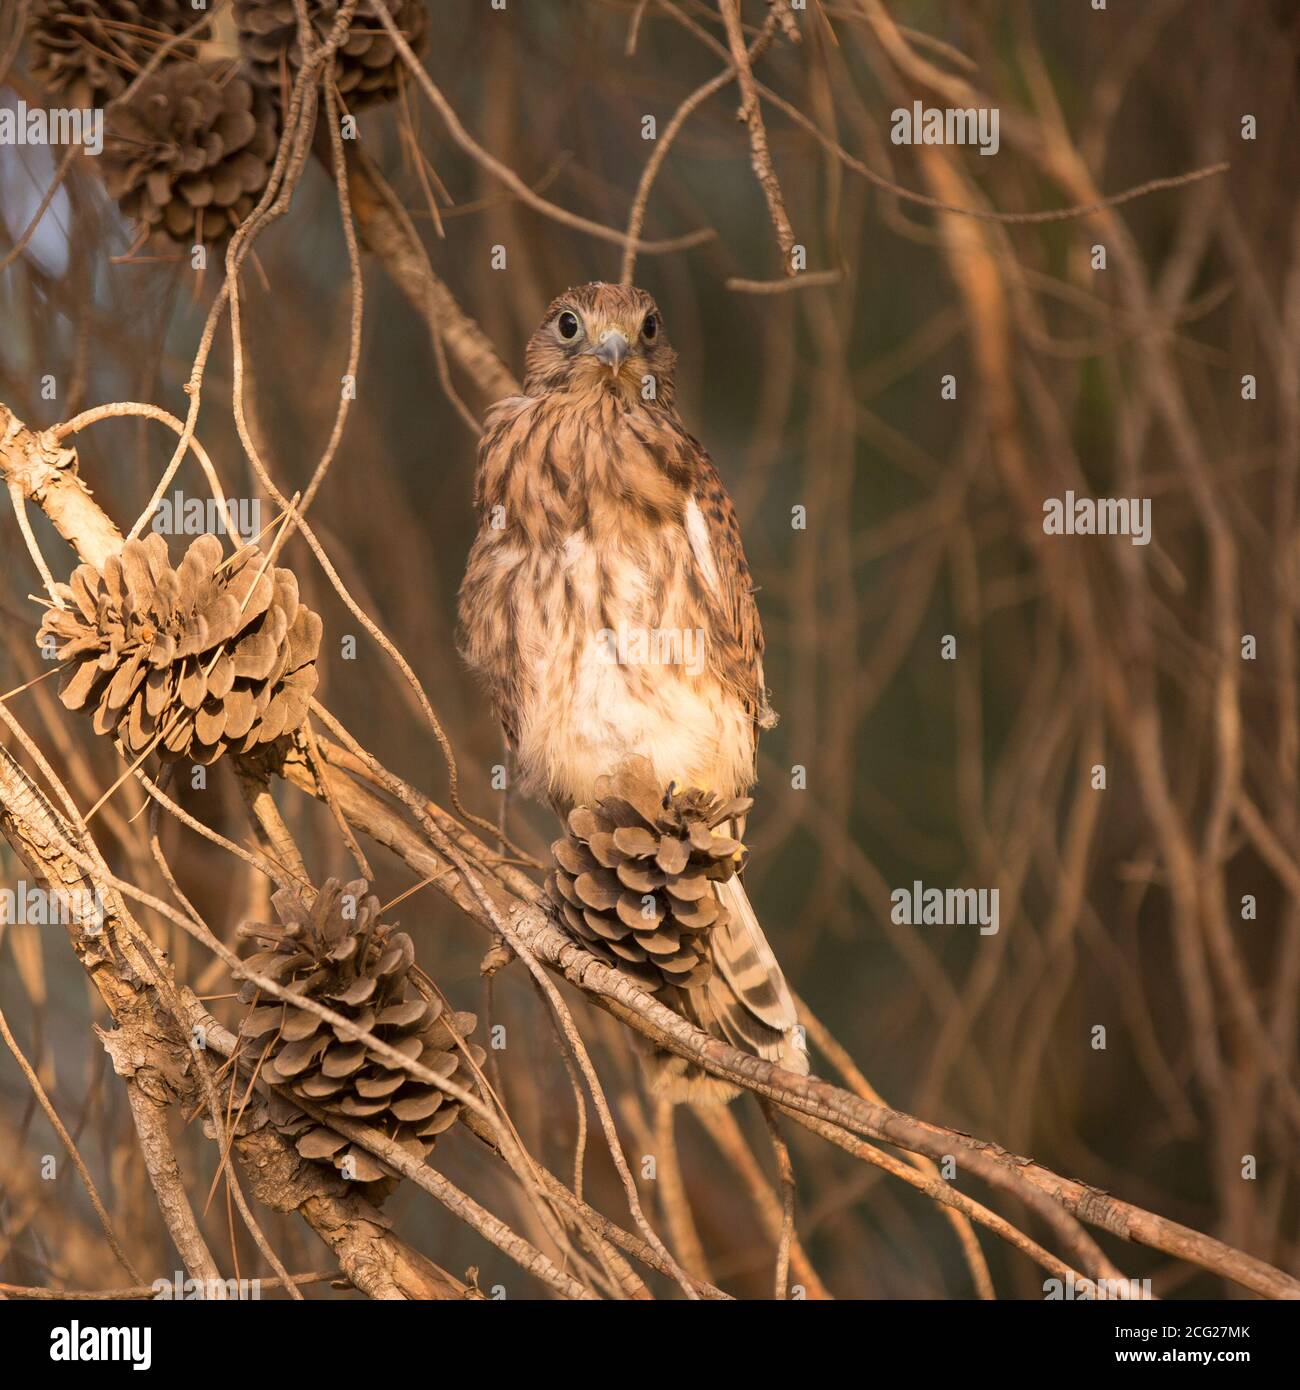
pixel 609 609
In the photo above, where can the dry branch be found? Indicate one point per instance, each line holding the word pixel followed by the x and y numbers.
pixel 802 1096
pixel 1135 654
pixel 370 1255
pixel 478 893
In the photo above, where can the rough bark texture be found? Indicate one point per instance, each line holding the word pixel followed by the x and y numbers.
pixel 46 473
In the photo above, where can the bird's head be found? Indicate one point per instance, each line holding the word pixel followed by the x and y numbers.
pixel 601 337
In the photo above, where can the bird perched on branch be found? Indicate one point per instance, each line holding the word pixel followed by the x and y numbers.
pixel 609 609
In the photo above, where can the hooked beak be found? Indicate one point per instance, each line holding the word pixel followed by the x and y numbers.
pixel 612 351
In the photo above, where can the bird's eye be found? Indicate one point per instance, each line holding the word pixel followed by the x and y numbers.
pixel 568 325
pixel 650 328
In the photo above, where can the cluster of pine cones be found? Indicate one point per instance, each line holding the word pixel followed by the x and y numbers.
pixel 634 878
pixel 189 151
pixel 218 655
pixel 336 951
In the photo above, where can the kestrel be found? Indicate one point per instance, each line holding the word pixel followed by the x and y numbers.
pixel 609 609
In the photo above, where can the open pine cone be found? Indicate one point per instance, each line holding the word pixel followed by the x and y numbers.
pixel 191 662
pixel 339 953
pixel 86 52
pixel 190 154
pixel 634 876
pixel 367 67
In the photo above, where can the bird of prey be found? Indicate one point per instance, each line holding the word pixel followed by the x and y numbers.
pixel 601 521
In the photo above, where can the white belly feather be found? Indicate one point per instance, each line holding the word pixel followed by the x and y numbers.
pixel 624 681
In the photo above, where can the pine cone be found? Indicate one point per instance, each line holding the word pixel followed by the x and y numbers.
pixel 190 154
pixel 86 52
pixel 338 952
pixel 634 877
pixel 367 67
pixel 198 660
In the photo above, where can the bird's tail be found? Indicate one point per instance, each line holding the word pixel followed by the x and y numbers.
pixel 746 1002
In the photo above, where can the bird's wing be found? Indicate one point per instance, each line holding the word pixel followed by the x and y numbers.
pixel 488 636
pixel 715 540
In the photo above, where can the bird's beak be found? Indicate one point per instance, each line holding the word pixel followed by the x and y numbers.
pixel 612 349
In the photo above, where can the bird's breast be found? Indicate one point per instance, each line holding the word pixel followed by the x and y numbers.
pixel 590 605
pixel 620 667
